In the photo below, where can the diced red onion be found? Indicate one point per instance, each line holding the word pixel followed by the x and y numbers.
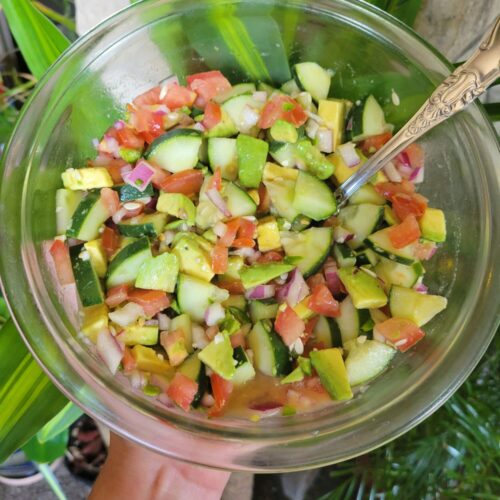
pixel 214 313
pixel 110 350
pixel 325 140
pixel 152 322
pixel 220 229
pixel 215 197
pixel 161 110
pixel 392 172
pixel 136 379
pixel 199 337
pixel 260 96
pixel 119 215
pixel 254 257
pixel 415 173
pixel 198 126
pixel 268 407
pixel 349 124
pixel 125 171
pixel 250 117
pixel 168 237
pixel 349 154
pixel 119 125
pixel 420 288
pixel 127 315
pixel 403 159
pixel 165 400
pixel 312 128
pixel 163 321
pixel 245 252
pixel 160 382
pixel 419 177
pixel 314 117
pixel 405 170
pixel 295 290
pixel 341 235
pixel 261 292
pixel 140 177
pixel 109 145
pixel 332 278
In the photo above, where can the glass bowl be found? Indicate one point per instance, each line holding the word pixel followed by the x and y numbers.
pixel 85 91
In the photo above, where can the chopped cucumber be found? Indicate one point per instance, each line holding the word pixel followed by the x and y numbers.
pixel 239 202
pixel 313 197
pixel 225 128
pixel 284 153
pixel 234 91
pixel 244 368
pixel 361 220
pixel 263 310
pixel 368 119
pixel 66 203
pixel 222 154
pixel 236 108
pixel 183 322
pixel 130 193
pixel 88 218
pixel 381 244
pixel 252 155
pixel 348 321
pixel 312 78
pixel 327 332
pixel 344 256
pixel 366 194
pixel 143 225
pixel 394 273
pixel 87 282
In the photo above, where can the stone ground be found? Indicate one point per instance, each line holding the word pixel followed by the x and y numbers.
pixel 452 26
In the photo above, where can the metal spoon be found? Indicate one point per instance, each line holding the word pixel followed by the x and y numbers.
pixel 459 89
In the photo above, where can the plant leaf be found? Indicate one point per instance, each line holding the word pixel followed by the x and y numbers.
pixel 59 423
pixel 404 10
pixel 49 450
pixel 39 40
pixel 28 398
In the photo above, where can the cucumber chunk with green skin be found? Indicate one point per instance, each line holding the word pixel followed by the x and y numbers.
pixel 194 369
pixel 283 131
pixel 176 150
pixel 366 194
pixel 159 273
pixel 89 216
pixel 394 273
pixel 433 225
pixel 348 321
pixel 271 356
pixel 259 274
pixel 381 244
pixel 66 203
pixel 218 355
pixel 332 372
pixel 344 256
pixel 143 225
pixel 417 307
pixel 225 128
pixel 290 87
pixel 316 162
pixel 234 91
pixel 244 368
pixel 222 153
pixel 235 108
pixel 282 193
pixel 178 205
pixel 368 119
pixel 239 202
pixel 263 310
pixel 365 290
pixel 139 335
pixel 87 282
pixel 361 220
pixel 130 193
pixel 195 295
pixel 367 360
pixel 236 302
pixel 312 78
pixel 312 245
pixel 124 267
pixel 296 376
pixel 252 156
pixel 313 198
pixel 327 332
pixel 284 153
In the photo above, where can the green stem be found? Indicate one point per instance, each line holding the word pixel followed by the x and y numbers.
pixel 493 110
pixel 52 481
pixel 55 16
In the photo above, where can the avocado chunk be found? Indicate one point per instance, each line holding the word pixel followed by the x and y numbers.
pixel 184 324
pixel 194 256
pixel 316 163
pixel 252 155
pixel 341 171
pixel 333 112
pixel 296 376
pixel 365 290
pixel 332 372
pixel 218 355
pixel 225 128
pixel 313 198
pixel 268 234
pixel 98 257
pixel 178 205
pixel 136 334
pixel 175 344
pixel 147 360
pixel 433 225
pixel 83 179
pixel 95 319
pixel 262 273
pixel 283 131
pixel 235 264
pixel 244 368
pixel 159 273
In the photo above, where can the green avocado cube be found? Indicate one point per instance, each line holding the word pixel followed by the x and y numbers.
pixel 252 156
pixel 296 376
pixel 159 273
pixel 262 273
pixel 194 256
pixel 178 205
pixel 283 131
pixel 332 372
pixel 365 290
pixel 316 162
pixel 433 225
pixel 218 355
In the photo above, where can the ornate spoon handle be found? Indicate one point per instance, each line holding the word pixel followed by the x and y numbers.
pixel 458 90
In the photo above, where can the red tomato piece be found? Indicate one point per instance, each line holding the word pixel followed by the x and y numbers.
pixel 152 301
pixel 221 390
pixel 219 259
pixel 289 325
pixel 187 182
pixel 375 142
pixel 178 96
pixel 322 302
pixel 310 326
pixel 127 138
pixel 408 204
pixel 415 155
pixel 247 229
pixel 207 85
pixel 282 107
pixel 231 230
pixel 116 295
pixel 62 262
pixel 111 200
pixel 390 189
pixel 271 256
pixel 110 240
pixel 243 243
pixel 401 333
pixel 149 98
pixel 169 339
pixel 215 181
pixel 237 340
pixel 315 280
pixel 147 122
pixel 331 221
pixel 128 360
pixel 212 116
pixel 160 176
pixel 405 233
pixel 182 390
pixel 234 287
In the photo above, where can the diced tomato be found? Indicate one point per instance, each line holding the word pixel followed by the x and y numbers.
pixel 289 325
pixel 111 200
pixel 247 229
pixel 221 390
pixel 182 390
pixel 219 259
pixel 148 98
pixel 234 287
pixel 128 138
pixel 178 96
pixel 271 256
pixel 401 333
pixel 215 181
pixel 375 142
pixel 160 176
pixel 207 85
pixel 389 189
pixel 170 339
pixel 211 332
pixel 310 326
pixel 315 280
pixel 62 262
pixel 415 155
pixel 264 200
pixel 152 301
pixel 243 243
pixel 231 230
pixel 187 182
pixel 408 204
pixel 116 295
pixel 282 107
pixel 322 302
pixel 212 116
pixel 237 340
pixel 405 233
pixel 331 221
pixel 128 360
